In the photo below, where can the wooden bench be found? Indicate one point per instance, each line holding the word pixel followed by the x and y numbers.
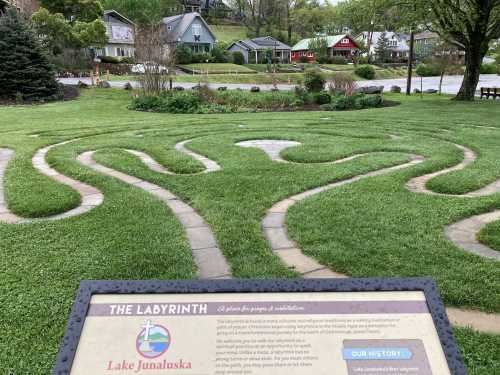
pixel 488 92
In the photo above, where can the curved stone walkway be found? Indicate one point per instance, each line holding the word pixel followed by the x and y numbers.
pixel 208 257
pixel 90 196
pixel 286 249
pixel 210 165
pixel 464 233
pixel 273 149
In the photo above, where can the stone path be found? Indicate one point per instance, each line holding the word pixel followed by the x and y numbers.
pixel 286 249
pixel 90 196
pixel 464 233
pixel 209 259
pixel 210 165
pixel 273 149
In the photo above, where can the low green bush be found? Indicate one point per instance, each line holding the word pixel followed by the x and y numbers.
pixel 339 60
pixel 322 98
pixel 358 101
pixel 238 58
pixel 492 68
pixel 426 70
pixel 314 80
pixel 365 71
pixel 183 54
pixel 110 60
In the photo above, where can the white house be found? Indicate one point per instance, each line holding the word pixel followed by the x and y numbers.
pixel 398 43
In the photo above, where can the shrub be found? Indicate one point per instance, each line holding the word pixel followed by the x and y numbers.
pixel 255 89
pixel 169 102
pixel 302 95
pixel 427 70
pixel 218 55
pixel 344 103
pixel 110 60
pixel 365 71
pixel 342 83
pixel 358 101
pixel 490 68
pixel 238 58
pixel 323 60
pixel 183 54
pixel 322 98
pixel 128 60
pixel 339 60
pixel 371 101
pixel 128 86
pixel 25 72
pixel 314 80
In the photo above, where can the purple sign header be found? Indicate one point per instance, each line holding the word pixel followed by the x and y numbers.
pixel 258 308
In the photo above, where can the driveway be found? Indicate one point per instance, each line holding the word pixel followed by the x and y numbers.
pixel 451 84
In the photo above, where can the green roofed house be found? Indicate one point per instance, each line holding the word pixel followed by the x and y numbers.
pixel 338 45
pixel 191 30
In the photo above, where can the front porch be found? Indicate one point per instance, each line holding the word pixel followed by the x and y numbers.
pixel 262 56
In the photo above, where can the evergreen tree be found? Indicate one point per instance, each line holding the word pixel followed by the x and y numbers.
pixel 383 49
pixel 24 68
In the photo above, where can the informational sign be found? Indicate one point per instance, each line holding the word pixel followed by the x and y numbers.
pixel 239 328
pixel 121 33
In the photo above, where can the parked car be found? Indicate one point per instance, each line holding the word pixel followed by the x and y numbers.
pixel 141 68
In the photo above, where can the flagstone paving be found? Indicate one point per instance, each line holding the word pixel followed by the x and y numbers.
pixel 90 196
pixel 287 250
pixel 208 257
pixel 464 233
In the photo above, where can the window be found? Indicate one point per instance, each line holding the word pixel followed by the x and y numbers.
pixel 345 41
pixel 169 28
pixel 196 29
pixel 121 52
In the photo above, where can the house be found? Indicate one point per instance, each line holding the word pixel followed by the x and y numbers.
pixel 425 44
pixel 258 50
pixel 398 43
pixel 121 36
pixel 191 30
pixel 205 6
pixel 338 45
pixel 27 7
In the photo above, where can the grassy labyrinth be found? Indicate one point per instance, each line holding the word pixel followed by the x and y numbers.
pixel 404 191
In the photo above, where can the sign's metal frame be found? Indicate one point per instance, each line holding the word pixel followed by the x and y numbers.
pixel 88 288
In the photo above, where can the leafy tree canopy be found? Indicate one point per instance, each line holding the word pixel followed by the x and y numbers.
pixel 144 12
pixel 60 33
pixel 81 10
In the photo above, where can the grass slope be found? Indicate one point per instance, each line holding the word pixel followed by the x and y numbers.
pixel 229 33
pixel 371 228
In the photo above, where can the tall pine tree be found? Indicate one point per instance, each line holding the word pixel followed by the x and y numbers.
pixel 24 68
pixel 383 49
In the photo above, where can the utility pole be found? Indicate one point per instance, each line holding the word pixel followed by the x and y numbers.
pixel 410 61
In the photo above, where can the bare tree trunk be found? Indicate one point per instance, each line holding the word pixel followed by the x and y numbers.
pixel 441 81
pixel 473 59
pixel 410 62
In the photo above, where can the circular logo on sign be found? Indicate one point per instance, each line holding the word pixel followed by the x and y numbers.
pixel 153 340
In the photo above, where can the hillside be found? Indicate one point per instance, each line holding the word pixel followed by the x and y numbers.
pixel 229 33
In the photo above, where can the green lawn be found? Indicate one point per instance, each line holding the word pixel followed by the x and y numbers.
pixel 214 68
pixel 374 227
pixel 257 73
pixel 229 33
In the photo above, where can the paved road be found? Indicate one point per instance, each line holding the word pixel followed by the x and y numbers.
pixel 451 84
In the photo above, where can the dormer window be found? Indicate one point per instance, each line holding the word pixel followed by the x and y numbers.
pixel 196 29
